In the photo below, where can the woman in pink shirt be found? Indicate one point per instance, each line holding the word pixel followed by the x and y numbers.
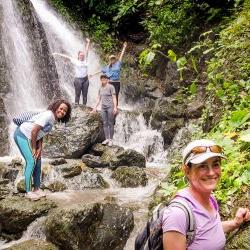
pixel 202 168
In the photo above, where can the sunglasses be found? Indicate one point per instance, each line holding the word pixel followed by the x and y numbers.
pixel 203 149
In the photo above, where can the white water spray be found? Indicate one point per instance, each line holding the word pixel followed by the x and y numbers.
pixel 64 39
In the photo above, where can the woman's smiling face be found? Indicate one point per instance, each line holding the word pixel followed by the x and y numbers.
pixel 204 176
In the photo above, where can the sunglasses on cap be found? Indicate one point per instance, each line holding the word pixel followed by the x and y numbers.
pixel 203 149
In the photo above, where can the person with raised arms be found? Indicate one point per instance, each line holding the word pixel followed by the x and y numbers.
pixel 81 81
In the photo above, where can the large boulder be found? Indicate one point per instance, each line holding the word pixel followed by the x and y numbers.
pixel 130 176
pixel 16 213
pixel 33 245
pixel 115 156
pixel 89 226
pixel 73 140
pixel 4 189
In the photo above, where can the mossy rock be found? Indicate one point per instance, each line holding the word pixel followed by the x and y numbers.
pixel 33 245
pixel 130 176
pixel 72 170
pixel 16 213
pixel 57 186
pixel 21 186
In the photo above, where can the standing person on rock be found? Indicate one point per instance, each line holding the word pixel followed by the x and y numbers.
pixel 29 139
pixel 202 168
pixel 81 82
pixel 107 97
pixel 113 70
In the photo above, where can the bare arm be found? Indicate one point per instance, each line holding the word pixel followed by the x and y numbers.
pixel 39 148
pixel 97 72
pixel 123 51
pixel 97 104
pixel 34 133
pixel 242 215
pixel 115 103
pixel 62 55
pixel 87 47
pixel 173 240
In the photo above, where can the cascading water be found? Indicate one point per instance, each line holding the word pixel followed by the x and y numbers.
pixel 63 39
pixel 132 132
pixel 25 92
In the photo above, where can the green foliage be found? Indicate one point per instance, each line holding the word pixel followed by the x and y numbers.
pixel 228 74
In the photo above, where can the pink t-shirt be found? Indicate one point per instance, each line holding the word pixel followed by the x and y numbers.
pixel 209 233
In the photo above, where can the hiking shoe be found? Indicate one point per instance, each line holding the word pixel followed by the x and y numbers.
pixel 105 142
pixel 110 143
pixel 40 193
pixel 32 196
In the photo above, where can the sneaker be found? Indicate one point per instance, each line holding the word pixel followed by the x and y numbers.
pixel 40 193
pixel 110 143
pixel 105 142
pixel 32 196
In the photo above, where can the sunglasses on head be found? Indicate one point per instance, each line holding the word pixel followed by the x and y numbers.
pixel 203 149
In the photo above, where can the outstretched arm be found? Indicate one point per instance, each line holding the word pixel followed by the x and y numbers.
pixel 87 47
pixel 123 51
pixel 242 215
pixel 62 55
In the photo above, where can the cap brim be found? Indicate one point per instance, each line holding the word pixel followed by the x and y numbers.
pixel 204 156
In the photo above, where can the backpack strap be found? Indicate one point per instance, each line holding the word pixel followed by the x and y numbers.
pixel 190 235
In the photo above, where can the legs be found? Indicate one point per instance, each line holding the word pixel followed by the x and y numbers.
pixel 104 114
pixel 37 174
pixel 85 87
pixel 108 122
pixel 117 86
pixel 78 88
pixel 25 149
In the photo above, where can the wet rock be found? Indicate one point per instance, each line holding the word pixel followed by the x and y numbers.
pixel 89 226
pixel 77 137
pixel 16 162
pixel 4 191
pixel 4 138
pixel 130 176
pixel 33 245
pixel 168 109
pixel 169 129
pixel 93 161
pixel 71 170
pixel 88 179
pixel 57 186
pixel 195 108
pixel 21 186
pixel 98 149
pixel 147 114
pixel 116 156
pixel 58 161
pixel 7 172
pixel 16 213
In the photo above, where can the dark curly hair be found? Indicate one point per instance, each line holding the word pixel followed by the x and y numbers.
pixel 55 105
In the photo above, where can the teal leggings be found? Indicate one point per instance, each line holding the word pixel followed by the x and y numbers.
pixel 32 166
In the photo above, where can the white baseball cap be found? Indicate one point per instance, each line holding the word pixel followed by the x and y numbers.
pixel 196 158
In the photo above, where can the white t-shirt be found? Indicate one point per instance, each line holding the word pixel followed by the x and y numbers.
pixel 45 119
pixel 81 68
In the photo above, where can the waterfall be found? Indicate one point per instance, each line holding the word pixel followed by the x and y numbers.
pixel 25 92
pixel 62 38
pixel 130 130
